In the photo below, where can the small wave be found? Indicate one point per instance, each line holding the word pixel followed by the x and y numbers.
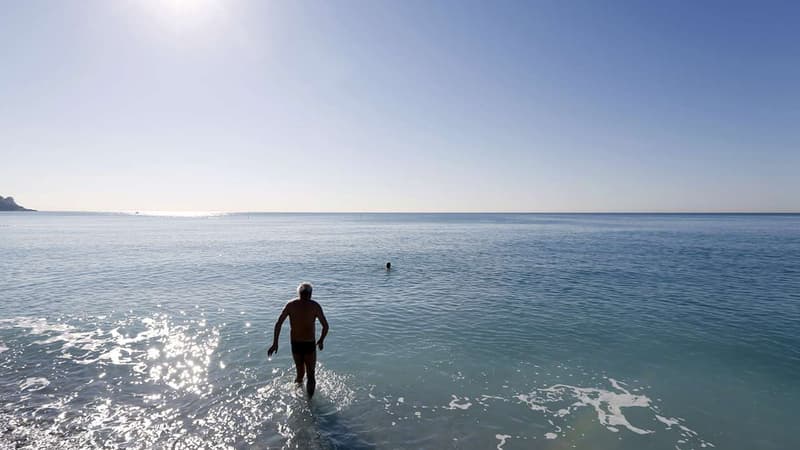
pixel 36 325
pixel 34 384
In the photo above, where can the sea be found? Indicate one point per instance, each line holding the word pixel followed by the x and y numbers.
pixel 490 331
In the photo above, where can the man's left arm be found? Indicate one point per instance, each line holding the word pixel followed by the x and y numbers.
pixel 324 322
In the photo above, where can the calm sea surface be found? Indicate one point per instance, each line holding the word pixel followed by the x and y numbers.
pixel 491 331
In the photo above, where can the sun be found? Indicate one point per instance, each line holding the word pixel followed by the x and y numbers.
pixel 184 15
pixel 183 8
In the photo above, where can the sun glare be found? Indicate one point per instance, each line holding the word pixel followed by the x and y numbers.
pixel 187 7
pixel 175 213
pixel 184 15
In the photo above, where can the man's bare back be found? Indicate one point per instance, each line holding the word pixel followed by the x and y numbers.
pixel 303 314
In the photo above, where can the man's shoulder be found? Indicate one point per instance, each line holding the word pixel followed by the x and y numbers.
pixel 312 304
pixel 291 303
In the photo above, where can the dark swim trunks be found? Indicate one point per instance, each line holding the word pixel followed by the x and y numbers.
pixel 303 347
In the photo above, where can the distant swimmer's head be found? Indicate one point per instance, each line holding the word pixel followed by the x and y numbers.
pixel 304 291
pixel 388 265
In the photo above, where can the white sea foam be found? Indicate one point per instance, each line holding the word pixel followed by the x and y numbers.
pixel 531 402
pixel 686 433
pixel 560 400
pixel 558 403
pixel 502 438
pixel 3 347
pixel 607 404
pixel 668 421
pixel 455 405
pixel 335 387
pixel 34 384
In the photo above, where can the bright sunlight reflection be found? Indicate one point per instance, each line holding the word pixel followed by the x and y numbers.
pixel 176 213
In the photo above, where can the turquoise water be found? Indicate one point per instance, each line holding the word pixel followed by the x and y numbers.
pixel 491 331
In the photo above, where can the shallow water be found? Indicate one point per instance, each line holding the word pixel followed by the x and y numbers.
pixel 491 331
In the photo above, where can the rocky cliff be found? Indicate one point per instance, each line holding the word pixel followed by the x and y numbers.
pixel 8 204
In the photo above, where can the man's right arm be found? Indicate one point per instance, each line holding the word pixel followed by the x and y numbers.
pixel 277 334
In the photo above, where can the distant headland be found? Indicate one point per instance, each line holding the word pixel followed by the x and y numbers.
pixel 8 204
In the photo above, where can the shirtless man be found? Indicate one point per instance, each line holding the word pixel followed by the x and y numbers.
pixel 303 313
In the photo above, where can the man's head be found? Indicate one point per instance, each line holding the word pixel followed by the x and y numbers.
pixel 304 291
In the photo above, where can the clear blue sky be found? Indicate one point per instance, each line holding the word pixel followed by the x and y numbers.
pixel 400 106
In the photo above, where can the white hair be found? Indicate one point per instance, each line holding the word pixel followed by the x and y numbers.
pixel 304 288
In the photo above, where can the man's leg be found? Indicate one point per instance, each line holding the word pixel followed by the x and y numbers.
pixel 311 364
pixel 299 364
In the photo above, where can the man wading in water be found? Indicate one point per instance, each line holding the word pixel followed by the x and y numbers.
pixel 303 313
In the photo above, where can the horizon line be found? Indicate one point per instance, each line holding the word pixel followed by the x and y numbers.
pixel 145 212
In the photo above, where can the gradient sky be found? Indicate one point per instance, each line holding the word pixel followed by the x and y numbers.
pixel 400 106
